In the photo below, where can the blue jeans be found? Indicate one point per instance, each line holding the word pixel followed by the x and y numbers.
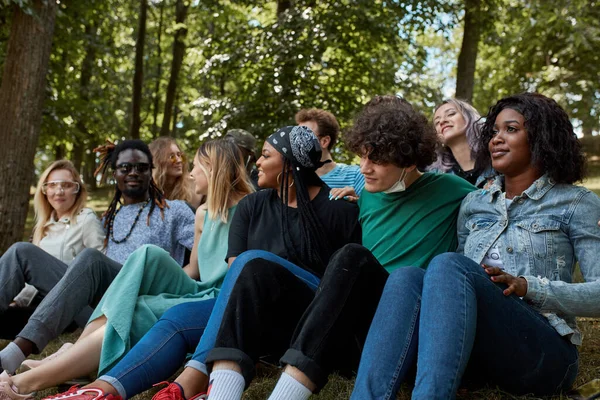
pixel 159 354
pixel 459 318
pixel 209 337
pixel 162 350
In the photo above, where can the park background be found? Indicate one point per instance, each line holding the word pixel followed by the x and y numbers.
pixel 74 73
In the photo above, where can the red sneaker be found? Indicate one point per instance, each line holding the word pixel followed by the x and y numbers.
pixel 174 391
pixel 77 393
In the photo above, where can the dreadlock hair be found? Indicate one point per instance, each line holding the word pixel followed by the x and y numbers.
pixel 315 247
pixel 109 153
pixel 554 147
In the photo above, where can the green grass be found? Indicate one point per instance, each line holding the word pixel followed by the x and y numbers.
pixel 339 387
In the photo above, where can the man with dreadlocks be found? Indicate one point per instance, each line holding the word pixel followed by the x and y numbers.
pixel 144 217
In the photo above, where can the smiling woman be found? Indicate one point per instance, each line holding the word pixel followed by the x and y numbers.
pixel 171 172
pixel 458 124
pixel 63 228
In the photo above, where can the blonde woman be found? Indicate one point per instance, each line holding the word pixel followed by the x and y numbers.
pixel 171 173
pixel 63 228
pixel 151 282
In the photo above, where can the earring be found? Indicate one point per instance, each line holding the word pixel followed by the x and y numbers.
pixel 279 180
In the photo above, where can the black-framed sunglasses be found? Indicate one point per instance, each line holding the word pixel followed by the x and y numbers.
pixel 126 168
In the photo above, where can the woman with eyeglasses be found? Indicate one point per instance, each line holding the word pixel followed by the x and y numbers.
pixel 171 172
pixel 63 228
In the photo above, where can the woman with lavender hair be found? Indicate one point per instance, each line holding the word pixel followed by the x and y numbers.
pixel 457 124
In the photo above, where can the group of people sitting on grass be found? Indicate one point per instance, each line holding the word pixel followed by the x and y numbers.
pixel 447 256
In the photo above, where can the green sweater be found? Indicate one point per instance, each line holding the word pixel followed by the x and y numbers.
pixel 410 228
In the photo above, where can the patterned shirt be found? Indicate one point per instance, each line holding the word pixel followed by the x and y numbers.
pixel 174 233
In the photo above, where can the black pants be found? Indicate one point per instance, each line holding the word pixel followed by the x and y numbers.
pixel 272 313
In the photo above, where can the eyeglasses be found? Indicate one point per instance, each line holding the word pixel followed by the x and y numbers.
pixel 126 168
pixel 176 157
pixel 52 187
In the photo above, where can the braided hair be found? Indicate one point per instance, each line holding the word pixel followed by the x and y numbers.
pixel 109 154
pixel 299 169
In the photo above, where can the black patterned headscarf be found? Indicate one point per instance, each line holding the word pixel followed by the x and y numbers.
pixel 301 153
pixel 299 145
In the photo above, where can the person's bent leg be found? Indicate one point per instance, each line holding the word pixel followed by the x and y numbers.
pixel 465 318
pixel 159 354
pixel 24 263
pixel 27 263
pixel 263 310
pixel 390 350
pixel 83 284
pixel 341 312
pixel 207 342
pixel 81 359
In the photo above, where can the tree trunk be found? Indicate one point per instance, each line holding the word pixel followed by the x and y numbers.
pixel 89 168
pixel 158 73
pixel 181 10
pixel 138 76
pixel 465 76
pixel 22 97
pixel 87 68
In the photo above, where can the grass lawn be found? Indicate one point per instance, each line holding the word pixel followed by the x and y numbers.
pixel 340 388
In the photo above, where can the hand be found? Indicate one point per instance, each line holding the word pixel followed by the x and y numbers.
pixel 516 285
pixel 346 193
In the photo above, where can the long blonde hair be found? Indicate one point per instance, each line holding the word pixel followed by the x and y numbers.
pixel 183 187
pixel 228 178
pixel 41 205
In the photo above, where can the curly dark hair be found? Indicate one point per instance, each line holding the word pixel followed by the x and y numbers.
pixel 554 147
pixel 390 130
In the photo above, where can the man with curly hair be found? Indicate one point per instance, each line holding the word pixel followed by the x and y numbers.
pixel 407 218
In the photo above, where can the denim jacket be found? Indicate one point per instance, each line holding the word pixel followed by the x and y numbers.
pixel 541 235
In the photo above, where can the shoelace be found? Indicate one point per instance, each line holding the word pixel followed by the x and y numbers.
pixel 172 391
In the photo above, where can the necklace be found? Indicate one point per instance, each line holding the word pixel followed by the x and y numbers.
pixel 112 236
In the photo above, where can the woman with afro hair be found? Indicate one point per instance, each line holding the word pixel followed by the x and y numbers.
pixel 501 310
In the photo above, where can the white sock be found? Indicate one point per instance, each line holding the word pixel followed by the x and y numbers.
pixel 225 384
pixel 288 388
pixel 11 358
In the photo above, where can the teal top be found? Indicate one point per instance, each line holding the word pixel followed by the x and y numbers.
pixel 150 282
pixel 212 250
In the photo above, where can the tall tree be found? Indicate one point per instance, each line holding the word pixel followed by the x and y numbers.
pixel 181 10
pixel 21 102
pixel 138 77
pixel 467 59
pixel 156 94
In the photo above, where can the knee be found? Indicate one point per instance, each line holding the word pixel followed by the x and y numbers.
pixel 86 260
pixel 151 250
pixel 175 315
pixel 247 256
pixel 450 264
pixel 404 275
pixel 257 267
pixel 352 254
pixel 21 248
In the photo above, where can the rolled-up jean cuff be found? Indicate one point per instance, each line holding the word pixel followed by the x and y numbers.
pixel 308 366
pixel 198 366
pixel 36 332
pixel 114 382
pixel 246 364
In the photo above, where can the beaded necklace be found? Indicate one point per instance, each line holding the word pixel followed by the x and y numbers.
pixel 110 228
